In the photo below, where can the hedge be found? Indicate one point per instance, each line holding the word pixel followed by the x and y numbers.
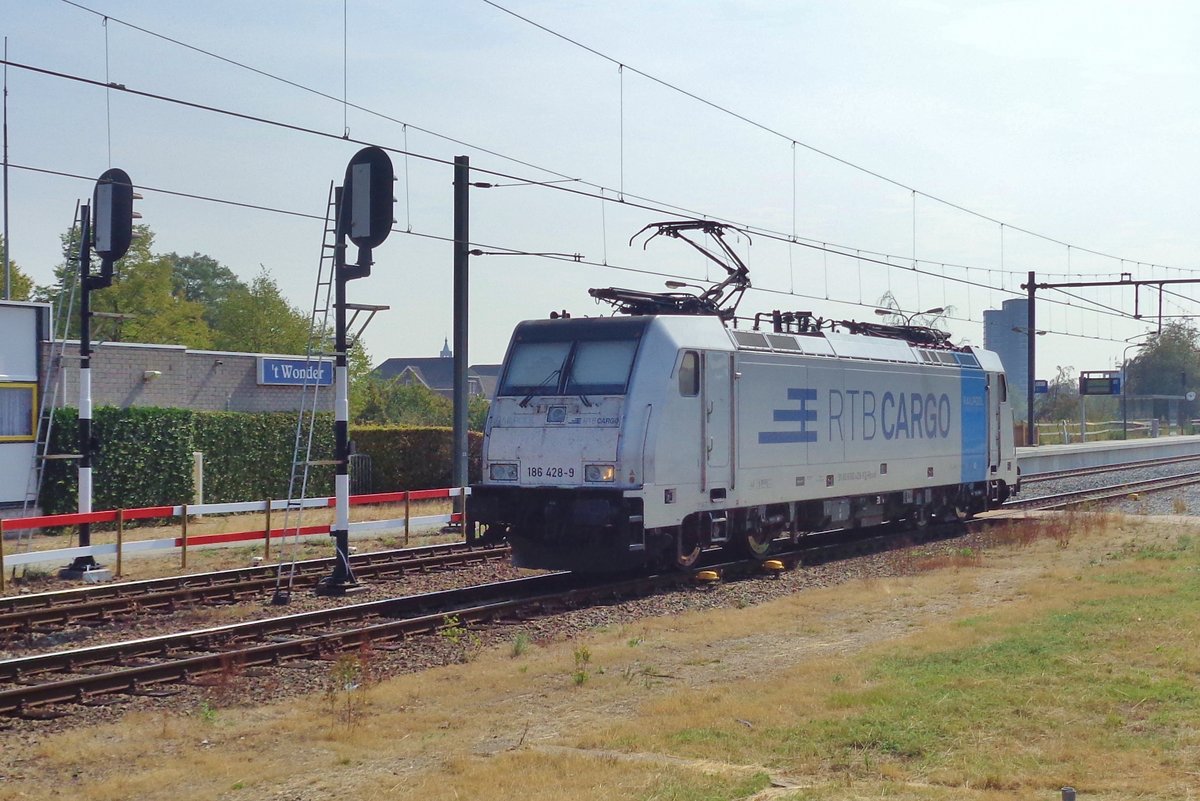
pixel 248 456
pixel 145 457
pixel 413 458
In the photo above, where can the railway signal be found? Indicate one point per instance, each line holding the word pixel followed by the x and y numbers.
pixel 364 216
pixel 107 228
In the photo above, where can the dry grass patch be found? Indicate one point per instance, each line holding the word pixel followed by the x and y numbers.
pixel 1037 665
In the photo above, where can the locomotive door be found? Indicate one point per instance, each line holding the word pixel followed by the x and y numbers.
pixel 717 426
pixel 997 395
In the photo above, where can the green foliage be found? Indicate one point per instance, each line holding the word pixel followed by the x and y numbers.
pixel 1168 364
pixel 145 457
pixel 457 633
pixel 380 401
pixel 249 456
pixel 202 279
pixel 144 292
pixel 258 319
pixel 413 458
pixel 22 284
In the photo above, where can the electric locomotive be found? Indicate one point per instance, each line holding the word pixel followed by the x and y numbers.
pixel 640 440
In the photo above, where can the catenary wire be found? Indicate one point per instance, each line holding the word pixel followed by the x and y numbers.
pixel 571 258
pixel 621 66
pixel 641 203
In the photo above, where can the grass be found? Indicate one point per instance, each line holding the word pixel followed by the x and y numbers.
pixel 1062 653
pixel 1061 690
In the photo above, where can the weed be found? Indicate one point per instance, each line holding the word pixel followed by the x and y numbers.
pixel 520 644
pixel 344 691
pixel 1179 506
pixel 634 642
pixel 456 632
pixel 583 658
pixel 207 712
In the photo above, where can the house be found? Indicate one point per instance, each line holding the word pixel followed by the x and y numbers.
pixel 437 373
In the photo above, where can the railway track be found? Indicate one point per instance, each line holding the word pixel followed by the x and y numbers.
pixel 49 685
pixel 23 614
pixel 149 666
pixel 91 676
pixel 1110 468
pixel 1074 498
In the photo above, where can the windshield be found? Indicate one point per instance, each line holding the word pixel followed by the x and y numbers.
pixel 598 367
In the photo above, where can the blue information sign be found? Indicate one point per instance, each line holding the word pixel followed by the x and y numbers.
pixel 281 371
pixel 1041 386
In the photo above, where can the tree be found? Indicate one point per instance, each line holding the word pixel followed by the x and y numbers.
pixel 387 401
pixel 142 291
pixel 22 284
pixel 1168 364
pixel 204 280
pixel 1061 401
pixel 156 314
pixel 258 319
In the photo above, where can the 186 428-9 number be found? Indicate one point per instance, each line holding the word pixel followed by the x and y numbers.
pixel 550 472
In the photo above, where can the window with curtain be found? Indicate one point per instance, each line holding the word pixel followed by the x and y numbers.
pixel 16 412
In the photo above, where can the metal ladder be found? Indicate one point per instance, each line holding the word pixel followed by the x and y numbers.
pixel 52 382
pixel 319 331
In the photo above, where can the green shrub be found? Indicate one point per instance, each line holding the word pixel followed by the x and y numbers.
pixel 145 457
pixel 248 456
pixel 413 458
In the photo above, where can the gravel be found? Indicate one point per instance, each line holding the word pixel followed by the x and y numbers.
pixel 256 686
pixel 1181 500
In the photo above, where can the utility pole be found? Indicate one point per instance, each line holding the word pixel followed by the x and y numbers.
pixel 462 245
pixel 7 241
pixel 1031 320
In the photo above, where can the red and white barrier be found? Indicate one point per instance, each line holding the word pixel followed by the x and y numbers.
pixel 358 530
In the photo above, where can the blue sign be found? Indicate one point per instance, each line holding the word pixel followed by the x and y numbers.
pixel 294 372
pixel 1041 386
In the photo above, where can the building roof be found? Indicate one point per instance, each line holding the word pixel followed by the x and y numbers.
pixel 437 373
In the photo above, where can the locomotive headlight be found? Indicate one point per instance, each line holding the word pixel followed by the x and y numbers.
pixel 502 471
pixel 599 472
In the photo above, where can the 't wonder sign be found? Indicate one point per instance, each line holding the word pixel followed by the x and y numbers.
pixel 276 371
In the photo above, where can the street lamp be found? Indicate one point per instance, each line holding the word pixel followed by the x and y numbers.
pixel 1125 380
pixel 1029 379
pixel 681 285
pixel 908 318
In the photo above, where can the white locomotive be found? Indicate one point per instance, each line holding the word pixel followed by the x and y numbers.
pixel 625 442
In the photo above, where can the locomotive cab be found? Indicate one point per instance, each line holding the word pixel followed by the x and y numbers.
pixel 555 462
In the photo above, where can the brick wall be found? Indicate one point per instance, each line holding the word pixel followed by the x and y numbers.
pixel 123 375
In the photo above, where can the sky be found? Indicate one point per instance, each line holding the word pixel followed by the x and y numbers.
pixel 838 135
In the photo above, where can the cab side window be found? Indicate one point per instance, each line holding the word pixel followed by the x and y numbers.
pixel 689 374
pixel 1003 388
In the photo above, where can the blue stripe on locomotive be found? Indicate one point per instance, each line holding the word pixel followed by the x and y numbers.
pixel 974 426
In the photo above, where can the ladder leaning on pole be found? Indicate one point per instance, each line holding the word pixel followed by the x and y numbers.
pixel 316 356
pixel 52 379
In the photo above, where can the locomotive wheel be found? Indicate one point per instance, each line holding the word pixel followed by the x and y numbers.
pixel 687 546
pixel 954 513
pixel 754 540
